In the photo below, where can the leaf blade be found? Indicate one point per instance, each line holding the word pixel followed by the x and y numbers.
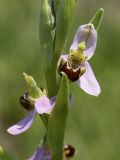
pixel 63 21
pixel 57 120
pixel 45 35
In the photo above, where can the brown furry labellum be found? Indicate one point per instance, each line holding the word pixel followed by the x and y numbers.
pixel 72 74
pixel 24 101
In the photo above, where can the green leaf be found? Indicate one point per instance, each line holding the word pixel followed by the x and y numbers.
pixel 44 117
pixel 46 43
pixel 63 21
pixel 57 120
pixel 52 13
pixel 97 19
pixel 45 36
pixel 56 4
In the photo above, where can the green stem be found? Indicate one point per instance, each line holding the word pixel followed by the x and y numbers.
pixel 51 77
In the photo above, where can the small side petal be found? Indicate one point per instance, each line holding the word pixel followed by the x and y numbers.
pixel 65 56
pixel 89 36
pixel 23 125
pixel 40 154
pixel 88 82
pixel 44 105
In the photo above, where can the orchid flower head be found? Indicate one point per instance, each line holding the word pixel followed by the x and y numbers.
pixel 34 104
pixel 75 64
pixel 42 105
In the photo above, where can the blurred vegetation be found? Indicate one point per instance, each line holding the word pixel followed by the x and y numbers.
pixel 94 122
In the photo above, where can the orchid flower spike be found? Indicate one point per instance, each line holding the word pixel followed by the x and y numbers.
pixel 34 103
pixel 75 64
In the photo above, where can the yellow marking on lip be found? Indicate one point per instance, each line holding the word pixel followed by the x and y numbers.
pixel 76 57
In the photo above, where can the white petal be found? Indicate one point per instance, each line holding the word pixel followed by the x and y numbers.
pixel 88 82
pixel 23 125
pixel 44 105
pixel 89 37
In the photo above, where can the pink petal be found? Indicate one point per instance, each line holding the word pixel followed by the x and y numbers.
pixel 88 82
pixel 90 39
pixel 44 105
pixel 41 154
pixel 23 125
pixel 38 154
pixel 65 57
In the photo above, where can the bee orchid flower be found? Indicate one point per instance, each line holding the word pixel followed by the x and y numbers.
pixel 75 64
pixel 41 105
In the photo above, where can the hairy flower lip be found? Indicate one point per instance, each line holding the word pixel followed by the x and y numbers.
pixel 72 74
pixel 25 103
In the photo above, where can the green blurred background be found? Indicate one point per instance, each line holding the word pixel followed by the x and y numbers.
pixel 94 122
